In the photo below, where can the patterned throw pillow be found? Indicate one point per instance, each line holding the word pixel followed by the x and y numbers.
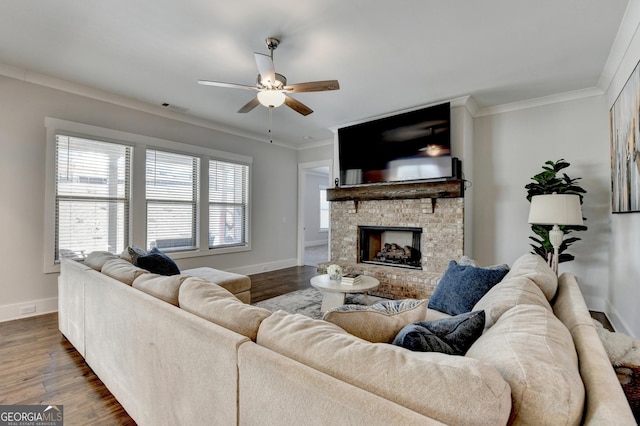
pixel 134 253
pixel 380 322
pixel 452 336
pixel 462 286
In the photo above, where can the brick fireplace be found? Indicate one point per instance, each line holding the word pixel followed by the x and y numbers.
pixel 436 209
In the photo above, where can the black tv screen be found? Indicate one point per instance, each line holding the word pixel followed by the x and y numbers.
pixel 411 146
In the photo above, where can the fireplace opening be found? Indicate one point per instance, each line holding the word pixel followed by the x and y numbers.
pixel 391 246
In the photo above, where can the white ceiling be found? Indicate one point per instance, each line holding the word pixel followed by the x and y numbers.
pixel 388 56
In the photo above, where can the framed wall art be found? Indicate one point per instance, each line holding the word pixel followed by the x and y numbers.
pixel 624 119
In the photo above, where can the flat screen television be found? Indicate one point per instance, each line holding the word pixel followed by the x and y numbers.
pixel 411 146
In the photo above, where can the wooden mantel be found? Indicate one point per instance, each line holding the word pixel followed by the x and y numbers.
pixel 398 191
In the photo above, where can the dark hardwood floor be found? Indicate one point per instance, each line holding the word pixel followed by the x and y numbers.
pixel 271 284
pixel 39 366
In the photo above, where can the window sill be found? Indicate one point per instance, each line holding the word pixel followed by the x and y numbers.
pixel 55 268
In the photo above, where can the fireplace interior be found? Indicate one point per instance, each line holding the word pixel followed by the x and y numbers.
pixel 391 246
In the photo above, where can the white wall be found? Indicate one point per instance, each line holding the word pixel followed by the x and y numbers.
pixel 23 108
pixel 511 147
pixel 624 272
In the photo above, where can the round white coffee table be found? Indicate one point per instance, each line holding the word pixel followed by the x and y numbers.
pixel 334 293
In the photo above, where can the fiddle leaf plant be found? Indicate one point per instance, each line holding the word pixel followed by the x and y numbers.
pixel 548 181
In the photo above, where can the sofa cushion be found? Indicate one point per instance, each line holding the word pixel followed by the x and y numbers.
pixel 430 383
pixel 535 268
pixel 433 315
pixel 97 259
pixel 379 322
pixel 215 304
pixel 122 270
pixel 156 262
pixel 234 283
pixel 451 336
pixel 535 353
pixel 161 286
pixel 462 286
pixel 509 292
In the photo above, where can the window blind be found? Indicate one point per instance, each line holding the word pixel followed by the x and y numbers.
pixel 92 184
pixel 228 204
pixel 172 193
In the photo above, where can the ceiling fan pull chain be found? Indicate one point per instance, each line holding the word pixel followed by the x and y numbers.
pixel 270 123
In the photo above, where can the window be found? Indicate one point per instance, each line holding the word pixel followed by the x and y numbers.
pixel 172 194
pixel 92 196
pixel 106 189
pixel 228 195
pixel 324 209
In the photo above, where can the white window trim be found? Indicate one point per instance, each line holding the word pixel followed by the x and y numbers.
pixel 137 207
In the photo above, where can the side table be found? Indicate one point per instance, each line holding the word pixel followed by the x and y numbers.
pixel 334 293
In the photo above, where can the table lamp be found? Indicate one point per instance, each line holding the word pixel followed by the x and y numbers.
pixel 555 209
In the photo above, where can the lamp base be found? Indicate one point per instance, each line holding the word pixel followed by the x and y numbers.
pixel 556 235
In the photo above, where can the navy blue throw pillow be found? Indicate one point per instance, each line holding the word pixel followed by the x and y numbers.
pixel 158 263
pixel 452 336
pixel 462 286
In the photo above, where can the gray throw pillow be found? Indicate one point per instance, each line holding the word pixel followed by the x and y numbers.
pixel 452 336
pixel 462 286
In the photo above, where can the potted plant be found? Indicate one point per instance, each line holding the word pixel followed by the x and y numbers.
pixel 548 182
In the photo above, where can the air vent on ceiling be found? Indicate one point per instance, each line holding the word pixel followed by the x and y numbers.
pixel 175 108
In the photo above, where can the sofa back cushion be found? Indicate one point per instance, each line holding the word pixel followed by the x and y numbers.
pixel 235 283
pixel 218 305
pixel 161 286
pixel 511 291
pixel 535 354
pixel 450 389
pixel 97 259
pixel 122 270
pixel 535 268
pixel 380 322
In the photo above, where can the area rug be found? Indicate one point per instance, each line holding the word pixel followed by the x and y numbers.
pixel 307 302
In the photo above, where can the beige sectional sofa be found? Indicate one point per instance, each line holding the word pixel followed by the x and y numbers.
pixel 184 350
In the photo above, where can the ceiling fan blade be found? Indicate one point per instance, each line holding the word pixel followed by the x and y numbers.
pixel 249 105
pixel 297 106
pixel 229 85
pixel 312 86
pixel 265 68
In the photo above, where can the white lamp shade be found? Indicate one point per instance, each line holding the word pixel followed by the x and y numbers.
pixel 555 209
pixel 271 98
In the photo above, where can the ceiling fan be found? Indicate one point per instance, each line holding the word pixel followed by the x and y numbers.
pixel 272 87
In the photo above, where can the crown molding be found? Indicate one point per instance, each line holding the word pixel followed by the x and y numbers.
pixel 124 101
pixel 536 102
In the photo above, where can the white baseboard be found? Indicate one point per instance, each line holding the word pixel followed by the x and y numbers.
pixel 28 309
pixel 619 325
pixel 316 243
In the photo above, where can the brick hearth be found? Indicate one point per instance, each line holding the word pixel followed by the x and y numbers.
pixel 441 220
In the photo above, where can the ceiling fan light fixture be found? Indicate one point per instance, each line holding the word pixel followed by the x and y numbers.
pixel 271 98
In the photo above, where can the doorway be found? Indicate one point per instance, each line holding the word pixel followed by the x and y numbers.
pixel 313 212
